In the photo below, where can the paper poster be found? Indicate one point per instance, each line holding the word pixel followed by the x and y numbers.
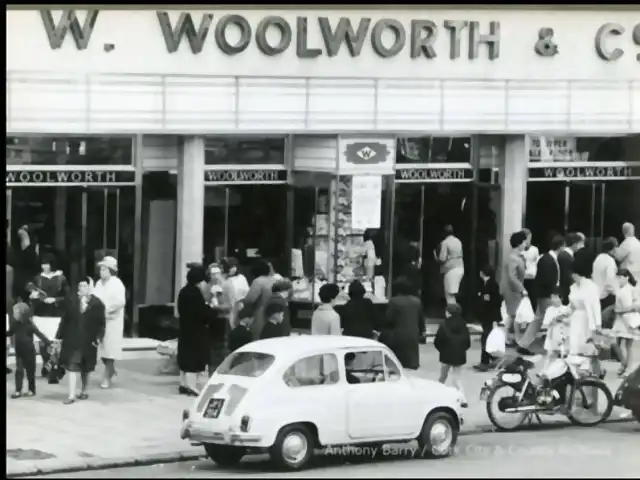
pixel 553 149
pixel 366 202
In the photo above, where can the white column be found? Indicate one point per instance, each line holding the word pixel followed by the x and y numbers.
pixel 513 179
pixel 189 231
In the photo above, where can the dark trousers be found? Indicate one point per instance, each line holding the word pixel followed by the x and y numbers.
pixel 529 284
pixel 26 361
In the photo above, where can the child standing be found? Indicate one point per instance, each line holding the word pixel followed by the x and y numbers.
pixel 325 320
pixel 626 327
pixel 274 315
pixel 241 335
pixel 452 341
pixel 556 322
pixel 22 329
pixel 489 301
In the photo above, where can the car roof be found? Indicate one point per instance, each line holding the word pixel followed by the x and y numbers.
pixel 298 345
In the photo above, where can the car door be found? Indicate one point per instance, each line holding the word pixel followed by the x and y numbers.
pixel 374 401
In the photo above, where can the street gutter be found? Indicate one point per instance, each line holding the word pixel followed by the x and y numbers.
pixel 92 464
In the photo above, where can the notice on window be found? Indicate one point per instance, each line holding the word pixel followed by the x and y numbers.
pixel 553 149
pixel 366 202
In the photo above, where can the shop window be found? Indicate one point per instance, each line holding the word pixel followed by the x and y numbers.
pixel 69 151
pixel 244 151
pixel 545 149
pixel 434 150
pixel 312 371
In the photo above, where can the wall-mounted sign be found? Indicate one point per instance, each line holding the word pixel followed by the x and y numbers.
pixel 366 202
pixel 565 173
pixel 366 156
pixel 427 174
pixel 245 176
pixel 69 177
pixel 554 149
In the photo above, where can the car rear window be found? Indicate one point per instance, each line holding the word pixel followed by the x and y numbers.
pixel 246 364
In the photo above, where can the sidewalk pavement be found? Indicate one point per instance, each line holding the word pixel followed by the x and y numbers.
pixel 137 422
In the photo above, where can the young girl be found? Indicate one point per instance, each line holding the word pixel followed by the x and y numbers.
pixel 452 341
pixel 627 323
pixel 556 322
pixel 22 329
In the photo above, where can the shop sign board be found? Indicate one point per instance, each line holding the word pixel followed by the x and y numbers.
pixel 596 172
pixel 366 156
pixel 497 43
pixel 433 174
pixel 52 177
pixel 243 176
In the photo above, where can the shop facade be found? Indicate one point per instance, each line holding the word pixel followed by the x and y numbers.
pixel 285 136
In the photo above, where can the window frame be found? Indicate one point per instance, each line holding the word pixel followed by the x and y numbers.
pixel 337 369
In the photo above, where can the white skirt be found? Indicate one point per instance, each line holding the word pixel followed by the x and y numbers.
pixel 452 280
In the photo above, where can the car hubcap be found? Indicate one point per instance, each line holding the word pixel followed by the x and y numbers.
pixel 440 437
pixel 294 447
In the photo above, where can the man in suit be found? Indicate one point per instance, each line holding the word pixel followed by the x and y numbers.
pixel 546 281
pixel 574 242
pixel 512 279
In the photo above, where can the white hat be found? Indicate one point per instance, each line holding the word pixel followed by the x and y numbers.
pixel 109 262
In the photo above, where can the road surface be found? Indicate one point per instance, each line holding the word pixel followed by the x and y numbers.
pixel 607 451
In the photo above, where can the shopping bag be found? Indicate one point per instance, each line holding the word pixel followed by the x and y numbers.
pixel 496 342
pixel 525 314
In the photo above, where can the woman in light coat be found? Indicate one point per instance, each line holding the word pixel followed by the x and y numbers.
pixel 110 290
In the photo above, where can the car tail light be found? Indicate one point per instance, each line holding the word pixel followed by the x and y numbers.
pixel 245 423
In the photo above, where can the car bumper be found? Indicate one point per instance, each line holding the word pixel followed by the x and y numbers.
pixel 198 434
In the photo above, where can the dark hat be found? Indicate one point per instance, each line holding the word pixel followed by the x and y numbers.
pixel 196 274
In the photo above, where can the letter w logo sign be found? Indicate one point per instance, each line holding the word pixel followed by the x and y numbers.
pixel 69 21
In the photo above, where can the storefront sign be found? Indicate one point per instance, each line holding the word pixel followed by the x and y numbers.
pixel 387 37
pixel 245 176
pixel 584 173
pixel 69 177
pixel 555 149
pixel 433 174
pixel 366 156
pixel 366 202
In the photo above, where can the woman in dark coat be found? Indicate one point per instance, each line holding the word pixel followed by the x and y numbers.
pixel 193 339
pixel 358 315
pixel 452 341
pixel 81 328
pixel 404 324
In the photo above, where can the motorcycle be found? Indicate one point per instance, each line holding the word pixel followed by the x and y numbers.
pixel 563 390
pixel 628 394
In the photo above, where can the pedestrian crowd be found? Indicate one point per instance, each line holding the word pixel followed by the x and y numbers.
pixel 73 326
pixel 584 299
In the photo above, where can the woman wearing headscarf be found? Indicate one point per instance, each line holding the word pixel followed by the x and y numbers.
pixel 81 329
pixel 110 290
pixel 404 324
pixel 193 340
pixel 358 315
pixel 256 300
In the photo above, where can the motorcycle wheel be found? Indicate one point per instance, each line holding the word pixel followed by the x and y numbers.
pixel 492 408
pixel 578 393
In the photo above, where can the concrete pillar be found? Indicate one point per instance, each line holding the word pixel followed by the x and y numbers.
pixel 189 230
pixel 513 179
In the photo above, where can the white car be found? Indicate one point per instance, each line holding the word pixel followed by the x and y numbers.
pixel 290 396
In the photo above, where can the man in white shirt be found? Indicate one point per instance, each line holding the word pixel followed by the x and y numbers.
pixel 628 254
pixel 531 256
pixel 605 277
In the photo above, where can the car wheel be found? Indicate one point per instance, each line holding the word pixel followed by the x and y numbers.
pixel 224 455
pixel 293 447
pixel 438 436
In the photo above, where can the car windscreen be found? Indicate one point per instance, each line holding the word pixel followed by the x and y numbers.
pixel 246 364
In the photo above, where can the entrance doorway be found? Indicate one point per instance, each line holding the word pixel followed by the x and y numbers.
pixel 248 222
pixel 595 208
pixel 421 213
pixel 79 225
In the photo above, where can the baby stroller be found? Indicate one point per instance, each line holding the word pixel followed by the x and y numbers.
pixel 51 369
